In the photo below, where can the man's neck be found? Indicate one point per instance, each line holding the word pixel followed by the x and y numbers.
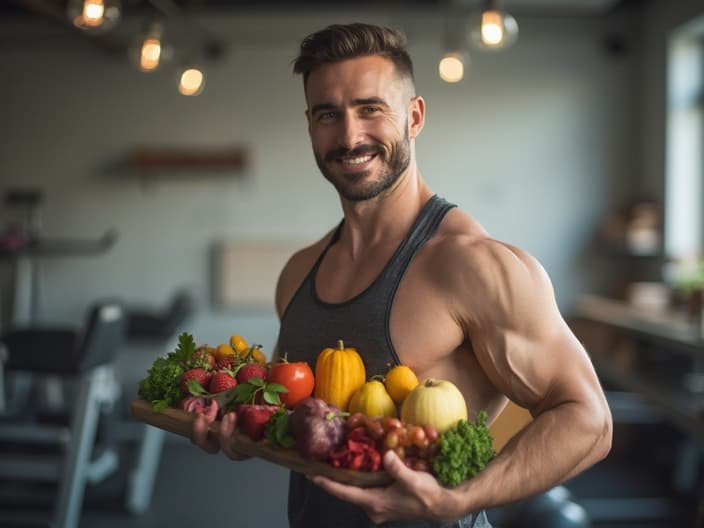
pixel 385 219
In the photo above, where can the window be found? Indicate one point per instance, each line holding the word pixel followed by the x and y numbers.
pixel 684 193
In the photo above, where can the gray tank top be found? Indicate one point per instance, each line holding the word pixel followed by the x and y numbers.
pixel 309 325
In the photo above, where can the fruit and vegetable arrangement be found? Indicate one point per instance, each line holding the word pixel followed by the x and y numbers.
pixel 335 415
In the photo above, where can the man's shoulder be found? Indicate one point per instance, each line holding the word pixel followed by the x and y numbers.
pixel 464 247
pixel 296 269
pixel 305 257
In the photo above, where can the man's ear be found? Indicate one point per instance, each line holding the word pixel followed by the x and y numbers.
pixel 416 116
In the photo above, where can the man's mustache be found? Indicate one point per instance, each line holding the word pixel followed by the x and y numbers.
pixel 362 150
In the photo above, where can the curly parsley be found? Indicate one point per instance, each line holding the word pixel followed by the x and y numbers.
pixel 465 450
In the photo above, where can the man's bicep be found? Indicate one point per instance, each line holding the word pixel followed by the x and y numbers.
pixel 520 338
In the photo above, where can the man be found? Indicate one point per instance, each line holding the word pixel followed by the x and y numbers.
pixel 408 278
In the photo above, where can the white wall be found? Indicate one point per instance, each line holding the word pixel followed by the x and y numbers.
pixel 535 143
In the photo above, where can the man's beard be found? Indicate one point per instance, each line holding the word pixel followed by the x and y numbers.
pixel 398 160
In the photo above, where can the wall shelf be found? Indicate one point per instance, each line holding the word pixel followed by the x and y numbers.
pixel 187 158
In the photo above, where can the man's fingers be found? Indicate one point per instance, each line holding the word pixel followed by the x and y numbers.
pixel 200 435
pixel 225 434
pixel 395 467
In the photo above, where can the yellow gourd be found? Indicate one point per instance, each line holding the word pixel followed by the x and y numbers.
pixel 339 372
pixel 436 402
pixel 400 381
pixel 373 400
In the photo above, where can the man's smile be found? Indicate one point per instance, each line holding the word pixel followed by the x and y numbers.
pixel 357 160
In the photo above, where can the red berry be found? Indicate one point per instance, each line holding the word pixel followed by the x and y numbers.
pixel 198 374
pixel 227 362
pixel 202 357
pixel 222 381
pixel 252 419
pixel 251 370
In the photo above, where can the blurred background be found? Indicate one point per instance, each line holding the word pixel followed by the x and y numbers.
pixel 576 134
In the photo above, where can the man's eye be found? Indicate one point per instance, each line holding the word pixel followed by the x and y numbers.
pixel 370 109
pixel 326 116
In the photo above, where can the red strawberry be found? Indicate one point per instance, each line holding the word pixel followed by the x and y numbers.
pixel 227 362
pixel 221 381
pixel 252 419
pixel 203 357
pixel 198 374
pixel 251 370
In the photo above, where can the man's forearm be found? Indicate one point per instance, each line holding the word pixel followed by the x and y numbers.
pixel 557 445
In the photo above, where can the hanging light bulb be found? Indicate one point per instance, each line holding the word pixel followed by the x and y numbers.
pixel 94 15
pixel 191 81
pixel 493 28
pixel 451 67
pixel 149 50
pixel 453 63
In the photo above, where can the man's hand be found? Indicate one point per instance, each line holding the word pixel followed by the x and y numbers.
pixel 212 439
pixel 414 495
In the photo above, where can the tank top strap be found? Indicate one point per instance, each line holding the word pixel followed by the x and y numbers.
pixel 423 229
pixel 334 238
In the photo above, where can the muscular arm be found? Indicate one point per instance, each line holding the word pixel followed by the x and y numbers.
pixel 529 353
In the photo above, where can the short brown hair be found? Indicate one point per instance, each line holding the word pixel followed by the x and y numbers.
pixel 339 42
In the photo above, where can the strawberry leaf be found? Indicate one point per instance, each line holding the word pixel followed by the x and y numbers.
pixel 275 387
pixel 244 392
pixel 272 398
pixel 159 405
pixel 195 388
pixel 256 381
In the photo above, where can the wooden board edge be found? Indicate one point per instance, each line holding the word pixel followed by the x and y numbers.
pixel 179 422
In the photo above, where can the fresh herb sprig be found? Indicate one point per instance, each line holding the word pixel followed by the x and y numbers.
pixel 241 393
pixel 465 450
pixel 278 430
pixel 161 385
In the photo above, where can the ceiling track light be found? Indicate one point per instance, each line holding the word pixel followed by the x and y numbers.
pixel 491 28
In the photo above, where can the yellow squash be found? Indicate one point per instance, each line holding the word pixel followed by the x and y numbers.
pixel 373 400
pixel 339 372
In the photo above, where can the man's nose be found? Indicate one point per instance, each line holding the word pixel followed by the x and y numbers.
pixel 351 132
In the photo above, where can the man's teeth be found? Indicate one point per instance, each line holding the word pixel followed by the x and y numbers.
pixel 357 161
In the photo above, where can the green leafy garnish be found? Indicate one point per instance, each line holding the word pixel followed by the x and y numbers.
pixel 161 385
pixel 184 350
pixel 278 430
pixel 465 450
pixel 241 393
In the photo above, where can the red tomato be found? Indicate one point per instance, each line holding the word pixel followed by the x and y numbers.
pixel 297 377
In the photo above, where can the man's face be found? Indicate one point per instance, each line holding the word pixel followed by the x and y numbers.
pixel 358 124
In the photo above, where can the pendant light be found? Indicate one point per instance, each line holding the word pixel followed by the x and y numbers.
pixel 492 28
pixel 191 81
pixel 94 15
pixel 149 50
pixel 453 64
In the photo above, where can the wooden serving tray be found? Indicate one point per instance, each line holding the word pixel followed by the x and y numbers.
pixel 179 422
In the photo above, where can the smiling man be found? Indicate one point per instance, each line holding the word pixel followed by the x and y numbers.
pixel 406 277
